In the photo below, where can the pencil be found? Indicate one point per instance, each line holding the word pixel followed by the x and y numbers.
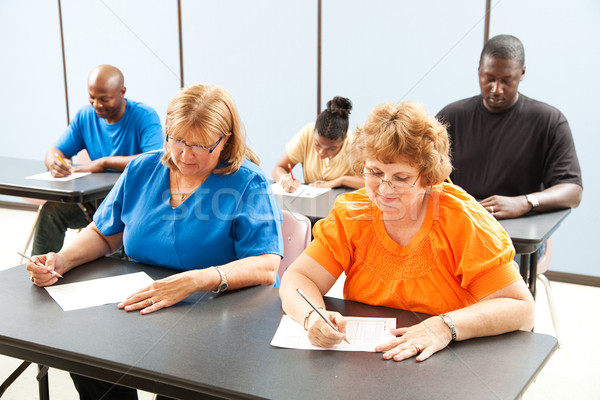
pixel 291 173
pixel 54 273
pixel 60 159
pixel 320 313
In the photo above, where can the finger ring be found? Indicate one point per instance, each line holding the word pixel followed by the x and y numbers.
pixel 152 300
pixel 31 277
pixel 418 348
pixel 492 209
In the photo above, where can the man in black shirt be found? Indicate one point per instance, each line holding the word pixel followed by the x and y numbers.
pixel 513 153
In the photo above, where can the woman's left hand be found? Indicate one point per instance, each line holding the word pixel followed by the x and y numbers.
pixel 162 293
pixel 324 184
pixel 421 340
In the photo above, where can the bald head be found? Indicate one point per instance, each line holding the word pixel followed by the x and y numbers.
pixel 108 76
pixel 107 92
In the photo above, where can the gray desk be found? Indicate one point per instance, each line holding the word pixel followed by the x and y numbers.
pixel 527 233
pixel 90 188
pixel 219 344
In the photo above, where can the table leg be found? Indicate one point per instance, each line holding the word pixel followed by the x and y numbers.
pixel 533 272
pixel 42 378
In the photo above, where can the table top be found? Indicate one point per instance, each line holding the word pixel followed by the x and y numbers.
pixel 530 231
pixel 219 344
pixel 13 172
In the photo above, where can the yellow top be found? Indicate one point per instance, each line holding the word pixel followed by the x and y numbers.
pixel 301 149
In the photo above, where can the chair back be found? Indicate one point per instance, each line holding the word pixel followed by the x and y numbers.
pixel 83 157
pixel 544 261
pixel 295 229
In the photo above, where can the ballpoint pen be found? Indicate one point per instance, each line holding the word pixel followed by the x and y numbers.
pixel 39 264
pixel 320 313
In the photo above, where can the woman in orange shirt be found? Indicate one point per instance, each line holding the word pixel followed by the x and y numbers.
pixel 408 240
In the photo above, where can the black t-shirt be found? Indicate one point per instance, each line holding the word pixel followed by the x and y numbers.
pixel 524 149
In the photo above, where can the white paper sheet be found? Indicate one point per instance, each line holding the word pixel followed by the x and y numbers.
pixel 363 333
pixel 302 191
pixel 47 176
pixel 96 292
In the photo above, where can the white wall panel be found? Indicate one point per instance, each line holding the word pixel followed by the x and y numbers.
pixel 264 53
pixel 32 94
pixel 562 57
pixel 380 51
pixel 140 37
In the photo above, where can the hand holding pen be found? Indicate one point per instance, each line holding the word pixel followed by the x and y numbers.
pixel 320 313
pixel 288 183
pixel 36 263
pixel 60 167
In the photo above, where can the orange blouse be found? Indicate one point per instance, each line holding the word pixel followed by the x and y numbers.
pixel 460 255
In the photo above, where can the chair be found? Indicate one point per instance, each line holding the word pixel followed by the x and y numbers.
pixel 295 229
pixel 82 158
pixel 542 266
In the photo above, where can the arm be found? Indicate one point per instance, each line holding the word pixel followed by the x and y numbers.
pixel 249 271
pixel 282 176
pixel 563 195
pixel 88 245
pixel 351 181
pixel 56 167
pixel 314 280
pixel 508 309
pixel 117 163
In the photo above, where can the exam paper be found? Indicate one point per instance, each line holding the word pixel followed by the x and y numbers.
pixel 47 176
pixel 302 191
pixel 363 333
pixel 96 292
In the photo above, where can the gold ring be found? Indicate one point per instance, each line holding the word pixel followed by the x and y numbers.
pixel 492 208
pixel 31 277
pixel 418 348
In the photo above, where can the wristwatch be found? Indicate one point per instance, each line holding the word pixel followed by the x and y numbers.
pixel 223 285
pixel 531 199
pixel 448 321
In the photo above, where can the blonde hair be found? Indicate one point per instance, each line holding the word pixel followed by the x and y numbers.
pixel 206 113
pixel 405 132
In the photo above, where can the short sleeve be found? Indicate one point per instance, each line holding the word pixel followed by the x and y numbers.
pixel 151 131
pixel 257 225
pixel 296 148
pixel 108 217
pixel 71 141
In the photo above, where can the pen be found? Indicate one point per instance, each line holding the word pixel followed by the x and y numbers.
pixel 320 313
pixel 291 173
pixel 54 273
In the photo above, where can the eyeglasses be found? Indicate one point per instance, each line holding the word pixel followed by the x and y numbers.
pixel 376 178
pixel 196 148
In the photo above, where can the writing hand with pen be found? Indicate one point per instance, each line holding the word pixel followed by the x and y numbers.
pixel 58 167
pixel 44 270
pixel 288 183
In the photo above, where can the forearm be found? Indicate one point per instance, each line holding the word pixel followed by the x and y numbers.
pixel 494 317
pixel 292 303
pixel 249 271
pixel 352 181
pixel 89 244
pixel 278 172
pixel 564 195
pixel 117 163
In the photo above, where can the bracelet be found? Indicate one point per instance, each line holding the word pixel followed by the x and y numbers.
pixel 282 178
pixel 308 316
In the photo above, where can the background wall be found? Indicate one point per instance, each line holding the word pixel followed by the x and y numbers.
pixel 265 53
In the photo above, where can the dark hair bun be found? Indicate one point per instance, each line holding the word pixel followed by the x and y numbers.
pixel 339 106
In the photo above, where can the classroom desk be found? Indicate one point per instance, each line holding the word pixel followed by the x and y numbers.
pixel 90 188
pixel 219 345
pixel 527 233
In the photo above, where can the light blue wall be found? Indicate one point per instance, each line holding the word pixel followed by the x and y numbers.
pixel 265 53
pixel 562 58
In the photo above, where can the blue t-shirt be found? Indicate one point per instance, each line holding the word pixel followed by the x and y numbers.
pixel 138 131
pixel 228 218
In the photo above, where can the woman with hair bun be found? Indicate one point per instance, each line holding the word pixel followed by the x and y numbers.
pixel 321 148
